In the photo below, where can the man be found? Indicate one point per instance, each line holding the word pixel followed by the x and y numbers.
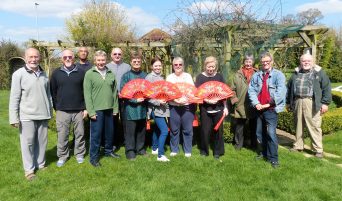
pixel 83 63
pixel 30 108
pixel 267 91
pixel 67 95
pixel 118 67
pixel 309 94
pixel 101 99
pixel 135 114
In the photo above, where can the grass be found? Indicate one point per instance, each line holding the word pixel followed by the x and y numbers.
pixel 237 177
pixel 333 85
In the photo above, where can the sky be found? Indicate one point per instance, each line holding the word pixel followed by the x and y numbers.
pixel 18 17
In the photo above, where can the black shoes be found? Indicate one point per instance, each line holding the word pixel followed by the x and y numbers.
pixel 113 155
pixel 275 164
pixel 96 164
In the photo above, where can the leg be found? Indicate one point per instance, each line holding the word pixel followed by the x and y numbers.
pixel 41 143
pixel 140 139
pixel 63 121
pixel 96 129
pixel 162 127
pixel 80 148
pixel 218 136
pixel 271 119
pixel 175 125
pixel 27 143
pixel 187 118
pixel 239 129
pixel 259 134
pixel 299 118
pixel 206 130
pixel 156 133
pixel 130 139
pixel 108 131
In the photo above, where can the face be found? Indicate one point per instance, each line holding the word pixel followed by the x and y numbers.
pixel 100 62
pixel 266 63
pixel 248 63
pixel 116 55
pixel 306 62
pixel 178 67
pixel 68 58
pixel 136 64
pixel 83 53
pixel 210 68
pixel 157 67
pixel 32 58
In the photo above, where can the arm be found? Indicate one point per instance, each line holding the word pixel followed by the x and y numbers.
pixel 115 97
pixel 253 91
pixel 53 89
pixel 87 90
pixel 14 102
pixel 326 92
pixel 280 92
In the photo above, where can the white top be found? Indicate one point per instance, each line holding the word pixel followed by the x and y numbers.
pixel 184 77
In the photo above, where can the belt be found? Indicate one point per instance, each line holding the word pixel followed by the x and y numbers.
pixel 304 97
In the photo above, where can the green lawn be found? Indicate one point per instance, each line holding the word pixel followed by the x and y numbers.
pixel 238 177
pixel 336 84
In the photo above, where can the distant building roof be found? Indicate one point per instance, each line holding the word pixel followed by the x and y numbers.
pixel 155 35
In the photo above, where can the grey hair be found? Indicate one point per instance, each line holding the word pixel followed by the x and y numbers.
pixel 266 54
pixel 178 59
pixel 248 56
pixel 100 53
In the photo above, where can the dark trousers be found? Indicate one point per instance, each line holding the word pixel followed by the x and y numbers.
pixel 244 133
pixel 208 122
pixel 135 138
pixel 266 134
pixel 103 125
pixel 119 126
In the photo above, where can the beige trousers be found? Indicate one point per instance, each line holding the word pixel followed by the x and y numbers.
pixel 304 115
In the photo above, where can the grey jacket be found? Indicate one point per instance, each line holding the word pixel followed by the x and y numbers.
pixel 154 105
pixel 30 97
pixel 118 70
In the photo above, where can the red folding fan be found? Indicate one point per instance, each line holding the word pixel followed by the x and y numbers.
pixel 137 88
pixel 189 91
pixel 164 90
pixel 214 90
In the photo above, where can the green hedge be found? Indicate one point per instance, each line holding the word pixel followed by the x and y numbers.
pixel 337 98
pixel 331 122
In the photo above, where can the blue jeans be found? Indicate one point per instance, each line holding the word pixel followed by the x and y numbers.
pixel 266 134
pixel 181 117
pixel 103 125
pixel 159 135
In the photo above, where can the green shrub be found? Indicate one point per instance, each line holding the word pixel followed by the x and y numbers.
pixel 331 122
pixel 337 98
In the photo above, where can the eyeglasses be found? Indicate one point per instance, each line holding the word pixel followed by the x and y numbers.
pixel 178 64
pixel 136 62
pixel 266 62
pixel 67 57
pixel 119 54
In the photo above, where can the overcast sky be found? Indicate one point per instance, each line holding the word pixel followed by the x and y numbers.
pixel 18 17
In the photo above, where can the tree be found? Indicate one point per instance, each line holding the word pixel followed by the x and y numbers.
pixel 310 16
pixel 8 49
pixel 99 24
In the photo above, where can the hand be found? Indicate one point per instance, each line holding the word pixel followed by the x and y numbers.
pixel 93 117
pixel 139 100
pixel 210 101
pixel 85 114
pixel 16 125
pixel 114 114
pixel 266 106
pixel 258 107
pixel 225 111
pixel 324 109
pixel 181 100
pixel 288 107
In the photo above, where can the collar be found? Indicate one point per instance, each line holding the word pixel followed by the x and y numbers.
pixel 29 70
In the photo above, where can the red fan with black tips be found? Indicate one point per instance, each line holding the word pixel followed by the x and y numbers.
pixel 137 88
pixel 189 91
pixel 164 90
pixel 214 90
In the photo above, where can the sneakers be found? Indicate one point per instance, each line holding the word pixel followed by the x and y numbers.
pixel 275 164
pixel 95 164
pixel 173 154
pixel 60 163
pixel 163 159
pixel 30 177
pixel 80 160
pixel 188 155
pixel 155 152
pixel 319 155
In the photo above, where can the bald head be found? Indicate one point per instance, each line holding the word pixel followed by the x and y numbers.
pixel 68 58
pixel 32 58
pixel 306 61
pixel 116 55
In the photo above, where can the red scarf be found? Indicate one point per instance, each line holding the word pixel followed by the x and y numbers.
pixel 248 73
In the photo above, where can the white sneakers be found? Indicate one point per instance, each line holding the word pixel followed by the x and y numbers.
pixel 154 152
pixel 188 155
pixel 60 163
pixel 173 154
pixel 163 159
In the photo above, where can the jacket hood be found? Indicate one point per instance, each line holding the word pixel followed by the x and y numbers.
pixel 317 68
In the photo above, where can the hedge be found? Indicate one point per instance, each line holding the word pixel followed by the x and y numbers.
pixel 331 122
pixel 337 98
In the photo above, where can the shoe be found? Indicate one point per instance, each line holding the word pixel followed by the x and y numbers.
pixel 113 155
pixel 154 152
pixel 188 155
pixel 319 155
pixel 217 157
pixel 173 154
pixel 260 157
pixel 275 164
pixel 30 177
pixel 60 163
pixel 295 150
pixel 80 160
pixel 43 168
pixel 163 159
pixel 96 164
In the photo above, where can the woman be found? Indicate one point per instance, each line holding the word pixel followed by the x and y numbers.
pixel 135 113
pixel 181 111
pixel 159 111
pixel 243 111
pixel 211 111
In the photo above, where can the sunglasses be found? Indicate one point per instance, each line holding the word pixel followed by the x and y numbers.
pixel 136 62
pixel 68 57
pixel 119 54
pixel 178 64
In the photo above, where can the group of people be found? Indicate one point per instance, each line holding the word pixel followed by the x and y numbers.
pixel 79 90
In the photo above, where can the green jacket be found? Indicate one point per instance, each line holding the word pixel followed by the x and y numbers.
pixel 321 89
pixel 242 107
pixel 99 93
